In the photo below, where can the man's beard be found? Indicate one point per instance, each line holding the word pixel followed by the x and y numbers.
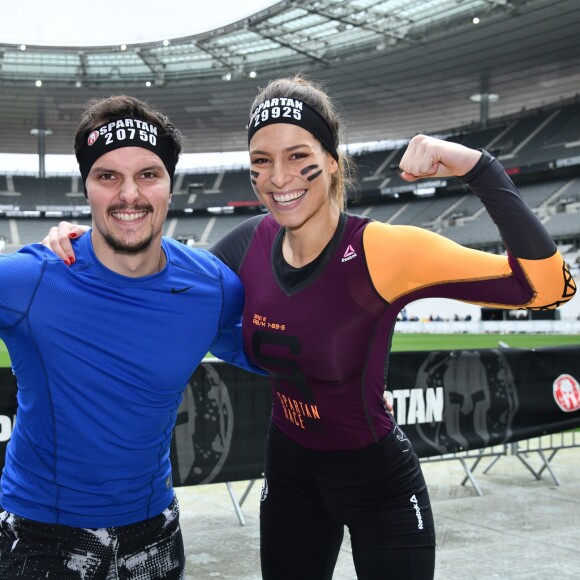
pixel 128 248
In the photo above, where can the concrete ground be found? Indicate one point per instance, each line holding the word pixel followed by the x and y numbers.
pixel 521 528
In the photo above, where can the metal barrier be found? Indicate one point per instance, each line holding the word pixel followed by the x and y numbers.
pixel 470 460
pixel 545 447
pixel 238 503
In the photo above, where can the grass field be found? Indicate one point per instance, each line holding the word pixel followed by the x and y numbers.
pixel 402 342
pixel 406 342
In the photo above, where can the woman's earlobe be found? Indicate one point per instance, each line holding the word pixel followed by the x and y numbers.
pixel 333 165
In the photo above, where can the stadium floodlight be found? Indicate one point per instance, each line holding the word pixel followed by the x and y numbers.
pixel 479 97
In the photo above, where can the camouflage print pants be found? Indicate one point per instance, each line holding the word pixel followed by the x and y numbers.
pixel 148 550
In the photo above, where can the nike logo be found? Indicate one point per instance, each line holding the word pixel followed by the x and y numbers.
pixel 179 290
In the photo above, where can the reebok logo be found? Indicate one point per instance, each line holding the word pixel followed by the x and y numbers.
pixel 401 437
pixel 415 503
pixel 179 290
pixel 349 254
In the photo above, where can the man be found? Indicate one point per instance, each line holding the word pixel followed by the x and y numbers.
pixel 102 349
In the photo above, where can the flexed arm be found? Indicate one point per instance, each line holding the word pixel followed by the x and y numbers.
pixel 423 264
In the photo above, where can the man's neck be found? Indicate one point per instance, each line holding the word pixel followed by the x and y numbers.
pixel 150 261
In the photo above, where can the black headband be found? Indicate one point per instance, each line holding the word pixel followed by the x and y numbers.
pixel 285 110
pixel 126 133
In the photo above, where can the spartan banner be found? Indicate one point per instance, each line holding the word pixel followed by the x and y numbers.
pixel 445 401
pixel 460 400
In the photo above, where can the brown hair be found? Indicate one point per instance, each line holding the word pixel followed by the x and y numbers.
pixel 312 93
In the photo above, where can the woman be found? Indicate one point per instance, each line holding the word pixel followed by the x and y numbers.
pixel 323 290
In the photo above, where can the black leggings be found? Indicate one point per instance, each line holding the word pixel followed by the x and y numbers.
pixel 378 492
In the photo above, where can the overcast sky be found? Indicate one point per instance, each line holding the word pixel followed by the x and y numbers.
pixel 110 22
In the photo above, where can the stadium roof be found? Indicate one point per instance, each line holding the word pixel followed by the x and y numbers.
pixel 397 67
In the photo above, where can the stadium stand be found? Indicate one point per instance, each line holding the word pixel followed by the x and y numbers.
pixel 382 212
pixel 563 225
pixel 30 231
pixel 558 139
pixel 5 233
pixel 195 182
pixel 424 212
pixel 540 149
pixel 477 232
pixel 518 133
pixel 482 138
pixel 222 225
pixel 191 228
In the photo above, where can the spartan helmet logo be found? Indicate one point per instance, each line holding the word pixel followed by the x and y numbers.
pixel 480 399
pixel 204 426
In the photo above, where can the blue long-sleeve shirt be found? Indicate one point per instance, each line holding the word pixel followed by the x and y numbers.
pixel 101 362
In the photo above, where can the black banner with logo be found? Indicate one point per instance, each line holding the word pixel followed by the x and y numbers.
pixel 455 401
pixel 445 401
pixel 7 409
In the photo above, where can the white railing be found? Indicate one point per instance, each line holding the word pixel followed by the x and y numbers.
pixel 491 326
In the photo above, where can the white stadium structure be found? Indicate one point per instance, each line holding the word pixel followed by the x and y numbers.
pixel 498 74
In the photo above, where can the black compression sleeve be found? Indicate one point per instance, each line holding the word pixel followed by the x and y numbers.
pixel 231 249
pixel 520 229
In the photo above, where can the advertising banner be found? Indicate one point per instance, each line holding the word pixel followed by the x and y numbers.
pixel 450 401
pixel 445 402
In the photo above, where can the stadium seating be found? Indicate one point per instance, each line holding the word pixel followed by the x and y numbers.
pixel 540 149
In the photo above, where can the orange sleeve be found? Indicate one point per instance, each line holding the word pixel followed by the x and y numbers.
pixel 406 259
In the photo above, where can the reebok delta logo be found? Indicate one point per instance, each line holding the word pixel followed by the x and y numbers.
pixel 415 503
pixel 349 254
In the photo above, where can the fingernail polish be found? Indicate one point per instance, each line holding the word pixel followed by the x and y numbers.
pixel 71 261
pixel 67 262
pixel 72 235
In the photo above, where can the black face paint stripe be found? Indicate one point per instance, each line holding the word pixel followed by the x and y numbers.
pixel 308 169
pixel 254 174
pixel 314 175
pixel 253 181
